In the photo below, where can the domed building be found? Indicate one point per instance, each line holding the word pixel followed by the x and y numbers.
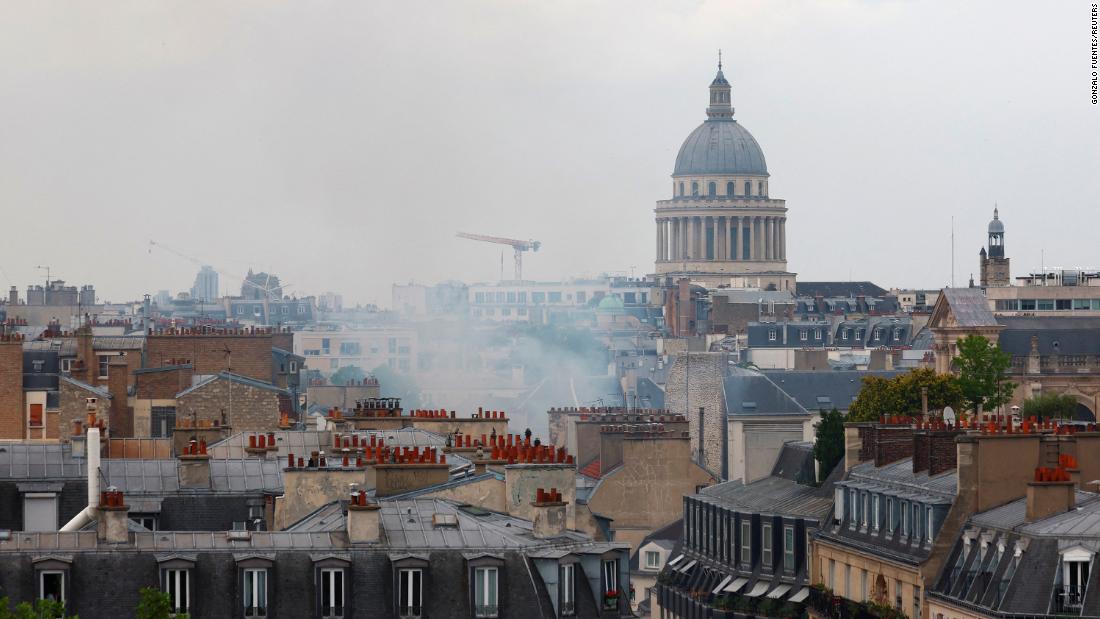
pixel 720 228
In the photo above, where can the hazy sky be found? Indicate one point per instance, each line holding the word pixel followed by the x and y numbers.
pixel 342 144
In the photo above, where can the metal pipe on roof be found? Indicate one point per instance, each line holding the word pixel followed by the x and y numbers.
pixel 88 514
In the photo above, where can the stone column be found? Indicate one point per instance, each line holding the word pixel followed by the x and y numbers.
pixel 737 236
pixel 783 239
pixel 658 239
pixel 771 238
pixel 752 238
pixel 722 231
pixel 709 229
pixel 690 252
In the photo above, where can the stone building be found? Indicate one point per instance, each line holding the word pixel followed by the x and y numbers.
pixel 234 401
pixel 720 227
pixel 993 265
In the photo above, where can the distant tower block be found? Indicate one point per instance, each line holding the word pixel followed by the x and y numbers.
pixel 994 266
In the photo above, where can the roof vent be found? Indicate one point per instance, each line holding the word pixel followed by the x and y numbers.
pixel 749 406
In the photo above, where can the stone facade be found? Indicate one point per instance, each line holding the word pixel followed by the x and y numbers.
pixel 73 405
pixel 243 407
pixel 695 388
pixel 646 492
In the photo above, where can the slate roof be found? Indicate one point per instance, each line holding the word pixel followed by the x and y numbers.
pixel 720 146
pixel 969 306
pixel 748 392
pixel 1014 514
pixel 103 393
pixel 839 289
pixel 795 462
pixel 900 475
pixel 771 495
pixel 824 389
pixel 1058 335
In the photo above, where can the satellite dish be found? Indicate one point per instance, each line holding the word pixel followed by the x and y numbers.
pixel 948 414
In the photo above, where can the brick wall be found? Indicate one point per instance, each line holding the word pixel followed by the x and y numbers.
pixel 162 385
pixel 892 443
pixel 246 408
pixel 920 451
pixel 121 415
pixel 11 389
pixel 943 455
pixel 250 354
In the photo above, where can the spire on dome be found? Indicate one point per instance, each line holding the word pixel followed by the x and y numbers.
pixel 720 107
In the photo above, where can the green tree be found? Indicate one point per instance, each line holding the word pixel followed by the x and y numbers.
pixel 41 609
pixel 982 373
pixel 901 395
pixel 347 374
pixel 829 442
pixel 155 604
pixel 1049 404
pixel 877 397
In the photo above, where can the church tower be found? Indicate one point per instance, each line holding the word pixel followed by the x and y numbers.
pixel 993 264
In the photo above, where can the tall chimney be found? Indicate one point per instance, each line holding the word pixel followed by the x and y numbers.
pixel 1052 492
pixel 112 518
pixel 364 520
pixel 549 517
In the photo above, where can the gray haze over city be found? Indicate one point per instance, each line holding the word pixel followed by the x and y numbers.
pixel 342 145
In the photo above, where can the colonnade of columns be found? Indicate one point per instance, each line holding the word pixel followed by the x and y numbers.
pixel 697 238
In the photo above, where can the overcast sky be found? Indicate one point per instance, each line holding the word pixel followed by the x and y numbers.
pixel 342 144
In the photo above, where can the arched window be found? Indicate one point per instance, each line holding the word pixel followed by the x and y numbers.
pixel 729 188
pixel 681 188
pixel 712 189
pixel 694 189
pixel 748 188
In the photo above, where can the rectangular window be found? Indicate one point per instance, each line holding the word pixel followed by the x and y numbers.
pixel 771 335
pixel 177 584
pixel 521 297
pixel 652 559
pixel 817 334
pixel 511 297
pixel 51 585
pixel 162 420
pixel 332 592
pixel 929 532
pixel 255 593
pixel 803 335
pixel 788 548
pixel 1027 304
pixel 1081 304
pixel 766 546
pixel 538 297
pixel 746 542
pixel 874 512
pixel 610 576
pixel 918 522
pixel 904 509
pixel 35 418
pixel 485 592
pixel 1063 304
pixel 554 297
pixel 104 362
pixel 149 521
pixel 411 583
pixel 838 503
pixel 568 590
pixel 1045 304
pixel 891 520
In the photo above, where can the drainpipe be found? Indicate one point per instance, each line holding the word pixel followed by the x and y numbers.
pixel 88 514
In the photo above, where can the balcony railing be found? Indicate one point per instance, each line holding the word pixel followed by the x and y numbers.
pixel 409 612
pixel 1068 600
pixel 486 610
pixel 568 608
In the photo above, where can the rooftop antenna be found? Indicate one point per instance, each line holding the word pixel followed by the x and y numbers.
pixel 952 251
pixel 719 58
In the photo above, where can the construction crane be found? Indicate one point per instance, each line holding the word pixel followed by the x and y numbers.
pixel 518 246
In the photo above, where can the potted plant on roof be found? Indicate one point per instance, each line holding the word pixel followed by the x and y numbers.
pixel 611 599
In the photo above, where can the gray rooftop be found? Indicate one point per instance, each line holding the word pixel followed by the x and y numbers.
pixel 969 306
pixel 823 390
pixel 748 392
pixel 771 495
pixel 1014 514
pixel 899 476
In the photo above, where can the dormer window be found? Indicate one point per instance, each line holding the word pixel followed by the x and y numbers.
pixel 771 335
pixel 1076 562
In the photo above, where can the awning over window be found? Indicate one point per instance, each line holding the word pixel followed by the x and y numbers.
pixel 725 581
pixel 758 589
pixel 736 585
pixel 687 568
pixel 779 591
pixel 802 594
pixel 673 562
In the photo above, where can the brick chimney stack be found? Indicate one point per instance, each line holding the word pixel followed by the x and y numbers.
pixel 364 520
pixel 549 513
pixel 112 520
pixel 194 466
pixel 1052 492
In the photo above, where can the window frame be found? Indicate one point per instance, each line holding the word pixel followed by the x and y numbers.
pixel 52 570
pixel 487 577
pixel 255 589
pixel 745 555
pixel 567 595
pixel 767 557
pixel 335 572
pixel 181 573
pixel 414 593
pixel 655 563
pixel 789 543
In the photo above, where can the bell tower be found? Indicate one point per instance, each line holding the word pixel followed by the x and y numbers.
pixel 994 266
